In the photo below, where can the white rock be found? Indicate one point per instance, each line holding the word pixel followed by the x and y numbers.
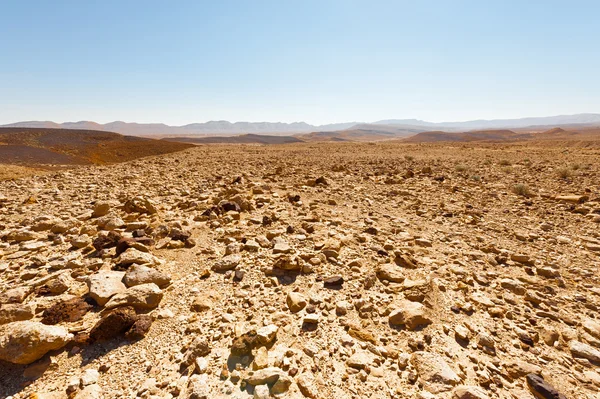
pixel 24 342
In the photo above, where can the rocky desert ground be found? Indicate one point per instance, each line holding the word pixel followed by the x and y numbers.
pixel 330 270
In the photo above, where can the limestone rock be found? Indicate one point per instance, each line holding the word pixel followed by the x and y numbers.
pixel 295 301
pixel 24 342
pixel 104 284
pixel 411 314
pixel 140 274
pixel 143 296
pixel 15 312
pixel 435 374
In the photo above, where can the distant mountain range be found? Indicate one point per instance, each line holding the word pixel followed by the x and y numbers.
pixel 399 127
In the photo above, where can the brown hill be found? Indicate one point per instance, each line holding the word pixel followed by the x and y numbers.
pixel 76 147
pixel 241 139
pixel 483 135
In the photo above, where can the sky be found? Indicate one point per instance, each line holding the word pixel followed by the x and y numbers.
pixel 318 61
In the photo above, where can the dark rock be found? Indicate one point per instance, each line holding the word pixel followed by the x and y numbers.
pixel 113 324
pixel 321 181
pixel 405 260
pixel 198 348
pixel 66 311
pixel 139 233
pixel 230 206
pixel 104 241
pixel 124 244
pixel 244 344
pixel 179 235
pixel 140 328
pixel 333 281
pixel 541 389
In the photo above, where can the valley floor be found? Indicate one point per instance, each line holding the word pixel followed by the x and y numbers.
pixel 305 270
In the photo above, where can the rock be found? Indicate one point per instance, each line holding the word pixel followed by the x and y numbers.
pixel 461 332
pixel 541 389
pixel 434 372
pixel 202 303
pixel 228 262
pixel 89 377
pixel 390 272
pixel 140 327
pixel 81 241
pixel 101 208
pixel 140 274
pixel 140 204
pixel 57 285
pixel 15 295
pixel 266 335
pixel 199 347
pixel 134 256
pixel 486 343
pixel 579 349
pixel 295 301
pixel 308 386
pixel 143 296
pixel 243 345
pixel 513 286
pixel 404 260
pixel 261 392
pixel 113 324
pixel 576 199
pixel 69 310
pixel 201 365
pixel 469 392
pixel 90 392
pixel 15 312
pixel 311 318
pixel 264 376
pixel 517 369
pixel 104 284
pixel 411 314
pixel 106 240
pixel 198 387
pixel 333 281
pixel 24 342
pixel 261 358
pixel 360 360
pixel 592 327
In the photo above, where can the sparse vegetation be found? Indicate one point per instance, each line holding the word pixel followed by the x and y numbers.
pixel 564 173
pixel 505 162
pixel 461 168
pixel 521 189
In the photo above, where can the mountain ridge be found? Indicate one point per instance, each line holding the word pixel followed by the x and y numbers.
pixel 222 127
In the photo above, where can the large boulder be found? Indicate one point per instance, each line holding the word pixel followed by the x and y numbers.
pixel 24 342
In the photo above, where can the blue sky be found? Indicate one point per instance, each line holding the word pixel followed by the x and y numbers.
pixel 319 61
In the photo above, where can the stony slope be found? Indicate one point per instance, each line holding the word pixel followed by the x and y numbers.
pixel 32 146
pixel 319 271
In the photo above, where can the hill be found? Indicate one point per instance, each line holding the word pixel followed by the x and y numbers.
pixel 506 135
pixel 241 139
pixel 225 128
pixel 76 147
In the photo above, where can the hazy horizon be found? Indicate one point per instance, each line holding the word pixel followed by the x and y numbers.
pixel 318 62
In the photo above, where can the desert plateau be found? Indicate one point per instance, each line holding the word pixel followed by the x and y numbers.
pixel 306 270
